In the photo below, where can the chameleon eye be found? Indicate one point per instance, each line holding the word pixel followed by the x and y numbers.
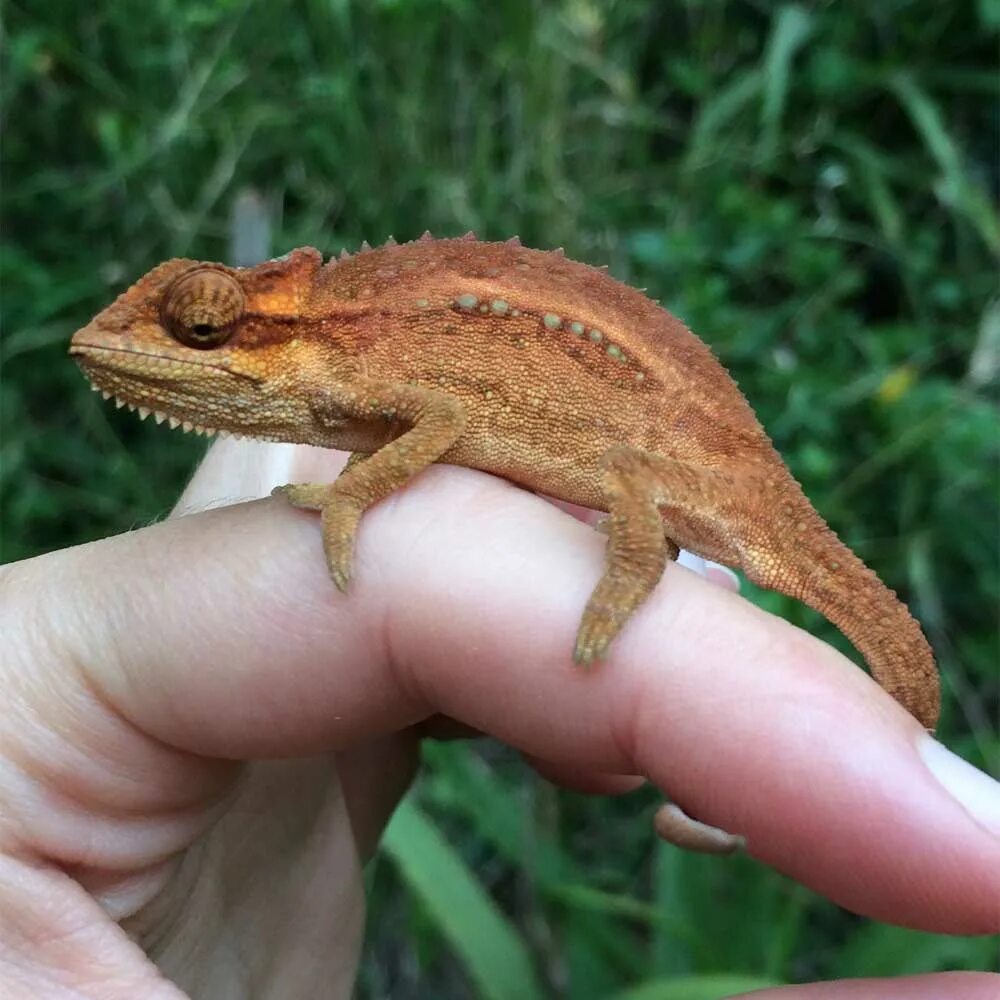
pixel 200 308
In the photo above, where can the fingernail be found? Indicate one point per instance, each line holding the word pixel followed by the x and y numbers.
pixel 974 790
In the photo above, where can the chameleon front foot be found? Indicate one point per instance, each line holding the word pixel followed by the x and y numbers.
pixel 339 517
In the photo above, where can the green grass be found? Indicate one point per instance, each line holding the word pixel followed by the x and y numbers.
pixel 808 185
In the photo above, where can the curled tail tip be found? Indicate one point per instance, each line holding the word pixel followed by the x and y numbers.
pixel 829 577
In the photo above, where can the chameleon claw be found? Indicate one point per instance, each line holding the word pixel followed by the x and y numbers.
pixel 590 646
pixel 340 572
pixel 339 551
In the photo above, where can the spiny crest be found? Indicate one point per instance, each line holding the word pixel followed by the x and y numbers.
pixel 427 237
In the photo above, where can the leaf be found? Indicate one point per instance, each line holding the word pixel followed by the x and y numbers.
pixel 716 114
pixel 715 986
pixel 885 208
pixel 989 14
pixel 956 190
pixel 792 27
pixel 882 950
pixel 464 785
pixel 494 956
pixel 984 365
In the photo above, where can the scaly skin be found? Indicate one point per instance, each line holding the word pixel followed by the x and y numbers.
pixel 515 361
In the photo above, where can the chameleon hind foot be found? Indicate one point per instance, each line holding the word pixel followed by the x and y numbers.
pixel 637 552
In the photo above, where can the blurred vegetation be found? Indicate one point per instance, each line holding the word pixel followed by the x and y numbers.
pixel 809 185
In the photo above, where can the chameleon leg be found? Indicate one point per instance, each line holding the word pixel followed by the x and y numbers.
pixel 435 420
pixel 651 501
pixel 639 545
pixel 355 459
pixel 637 551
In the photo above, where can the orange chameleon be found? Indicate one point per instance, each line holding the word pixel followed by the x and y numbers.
pixel 519 362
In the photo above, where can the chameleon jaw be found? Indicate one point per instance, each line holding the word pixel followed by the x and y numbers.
pixel 100 365
pixel 174 422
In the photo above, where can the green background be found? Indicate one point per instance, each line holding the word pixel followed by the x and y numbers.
pixel 807 185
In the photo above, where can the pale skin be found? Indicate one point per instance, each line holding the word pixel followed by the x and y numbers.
pixel 123 728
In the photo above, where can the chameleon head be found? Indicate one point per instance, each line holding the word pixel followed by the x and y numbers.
pixel 205 346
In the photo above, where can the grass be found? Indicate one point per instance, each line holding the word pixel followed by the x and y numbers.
pixel 808 185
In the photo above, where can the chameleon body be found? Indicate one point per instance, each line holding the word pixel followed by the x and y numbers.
pixel 518 362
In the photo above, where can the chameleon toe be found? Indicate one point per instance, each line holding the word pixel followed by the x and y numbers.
pixel 307 496
pixel 592 641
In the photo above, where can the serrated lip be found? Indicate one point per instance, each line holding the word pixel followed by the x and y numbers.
pixel 187 426
pixel 89 357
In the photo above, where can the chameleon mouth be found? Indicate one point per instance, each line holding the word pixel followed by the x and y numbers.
pixel 174 422
pixel 98 363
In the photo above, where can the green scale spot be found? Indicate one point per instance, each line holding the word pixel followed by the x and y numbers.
pixel 467 301
pixel 552 321
pixel 500 307
pixel 422 303
pixel 614 351
pixel 576 328
pixel 596 336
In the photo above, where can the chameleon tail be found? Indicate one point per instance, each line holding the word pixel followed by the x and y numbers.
pixel 824 573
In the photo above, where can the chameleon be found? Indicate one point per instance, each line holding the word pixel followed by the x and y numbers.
pixel 519 362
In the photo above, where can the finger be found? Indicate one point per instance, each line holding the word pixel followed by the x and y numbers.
pixel 575 779
pixel 467 596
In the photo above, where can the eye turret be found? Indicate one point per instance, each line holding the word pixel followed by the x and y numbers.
pixel 201 307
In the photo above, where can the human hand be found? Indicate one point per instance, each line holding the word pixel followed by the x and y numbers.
pixel 139 671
